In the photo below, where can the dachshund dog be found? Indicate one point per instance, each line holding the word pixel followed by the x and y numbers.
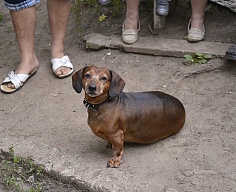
pixel 118 117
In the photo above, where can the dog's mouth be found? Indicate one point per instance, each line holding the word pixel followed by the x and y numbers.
pixel 92 94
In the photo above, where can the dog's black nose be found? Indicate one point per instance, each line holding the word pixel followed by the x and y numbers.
pixel 92 87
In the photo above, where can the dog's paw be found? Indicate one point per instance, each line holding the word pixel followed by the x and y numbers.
pixel 113 163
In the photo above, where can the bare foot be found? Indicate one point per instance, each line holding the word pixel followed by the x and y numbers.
pixel 62 71
pixel 62 67
pixel 57 52
pixel 25 68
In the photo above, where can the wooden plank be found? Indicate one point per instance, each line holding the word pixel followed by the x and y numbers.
pixel 159 22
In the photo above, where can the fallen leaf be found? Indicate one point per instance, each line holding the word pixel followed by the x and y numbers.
pixel 102 17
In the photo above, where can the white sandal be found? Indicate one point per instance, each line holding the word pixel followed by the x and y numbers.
pixel 62 62
pixel 18 80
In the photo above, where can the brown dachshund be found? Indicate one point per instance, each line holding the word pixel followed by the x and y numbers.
pixel 118 117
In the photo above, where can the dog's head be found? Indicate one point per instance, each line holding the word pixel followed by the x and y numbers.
pixel 97 81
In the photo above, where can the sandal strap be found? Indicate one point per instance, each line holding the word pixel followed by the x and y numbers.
pixel 59 62
pixel 16 79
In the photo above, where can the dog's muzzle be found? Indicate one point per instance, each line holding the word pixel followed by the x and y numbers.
pixel 92 87
pixel 92 90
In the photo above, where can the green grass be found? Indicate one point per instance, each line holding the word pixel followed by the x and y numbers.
pixel 20 175
pixel 1 17
pixel 200 58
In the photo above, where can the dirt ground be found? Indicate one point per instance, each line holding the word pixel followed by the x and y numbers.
pixel 47 111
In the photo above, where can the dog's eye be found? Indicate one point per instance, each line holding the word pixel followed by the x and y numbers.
pixel 104 78
pixel 87 76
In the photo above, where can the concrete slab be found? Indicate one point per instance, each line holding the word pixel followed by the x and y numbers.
pixel 46 120
pixel 156 46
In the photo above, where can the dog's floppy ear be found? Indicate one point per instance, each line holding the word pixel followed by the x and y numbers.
pixel 117 84
pixel 77 80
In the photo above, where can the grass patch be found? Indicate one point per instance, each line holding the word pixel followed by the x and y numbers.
pixel 20 175
pixel 91 16
pixel 93 8
pixel 1 17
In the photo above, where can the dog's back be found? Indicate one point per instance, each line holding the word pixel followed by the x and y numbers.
pixel 149 116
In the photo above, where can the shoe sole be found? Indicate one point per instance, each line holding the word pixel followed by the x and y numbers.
pixel 65 76
pixel 193 39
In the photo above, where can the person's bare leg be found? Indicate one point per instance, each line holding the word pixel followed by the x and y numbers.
pixel 132 14
pixel 59 12
pixel 24 26
pixel 198 12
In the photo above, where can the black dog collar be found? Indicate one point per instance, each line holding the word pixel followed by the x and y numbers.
pixel 88 105
pixel 94 107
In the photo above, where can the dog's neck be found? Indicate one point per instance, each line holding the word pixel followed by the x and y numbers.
pixel 95 107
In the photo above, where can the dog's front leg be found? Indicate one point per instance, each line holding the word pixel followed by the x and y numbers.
pixel 117 141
